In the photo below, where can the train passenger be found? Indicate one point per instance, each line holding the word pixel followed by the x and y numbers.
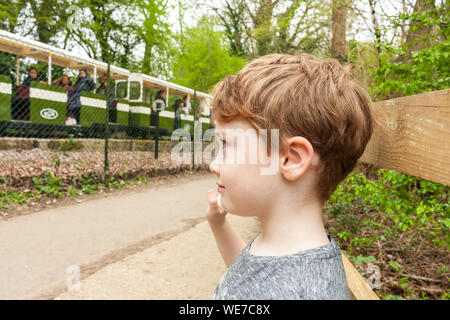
pixel 21 102
pixel 83 83
pixel 64 82
pixel 178 107
pixel 33 75
pixel 187 104
pixel 160 100
pixel 112 104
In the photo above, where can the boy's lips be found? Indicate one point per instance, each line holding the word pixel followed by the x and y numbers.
pixel 220 187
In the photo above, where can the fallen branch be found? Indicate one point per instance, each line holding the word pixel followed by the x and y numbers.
pixel 421 278
pixel 431 290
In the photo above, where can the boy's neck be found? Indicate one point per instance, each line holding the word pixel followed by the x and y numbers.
pixel 290 229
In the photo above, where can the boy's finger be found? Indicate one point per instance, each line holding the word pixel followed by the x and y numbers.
pixel 213 203
pixel 212 199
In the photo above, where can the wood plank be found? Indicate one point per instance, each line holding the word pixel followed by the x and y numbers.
pixel 412 136
pixel 358 287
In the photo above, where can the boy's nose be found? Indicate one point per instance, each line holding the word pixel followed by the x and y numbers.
pixel 214 167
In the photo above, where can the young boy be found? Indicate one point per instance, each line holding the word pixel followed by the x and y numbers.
pixel 324 122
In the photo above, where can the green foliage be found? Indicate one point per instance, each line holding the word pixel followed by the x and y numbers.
pixel 392 297
pixel 72 192
pixel 48 185
pixel 154 31
pixel 443 269
pixel 427 70
pixel 403 282
pixel 65 145
pixel 204 59
pixel 11 197
pixel 98 28
pixel 111 182
pixel 143 180
pixel 395 211
pixel 362 55
pixel 87 184
pixel 47 17
pixel 9 14
pixel 408 204
pixel 420 64
pixel 361 259
pixel 6 61
pixel 395 266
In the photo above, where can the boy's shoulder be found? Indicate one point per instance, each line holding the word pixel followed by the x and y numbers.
pixel 316 273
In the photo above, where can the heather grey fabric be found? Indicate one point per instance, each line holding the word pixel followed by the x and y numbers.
pixel 312 274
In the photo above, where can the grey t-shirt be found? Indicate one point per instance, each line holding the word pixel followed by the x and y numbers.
pixel 312 274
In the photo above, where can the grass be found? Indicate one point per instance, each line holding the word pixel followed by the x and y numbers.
pixel 51 187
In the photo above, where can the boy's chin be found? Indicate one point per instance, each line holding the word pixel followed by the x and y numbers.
pixel 230 209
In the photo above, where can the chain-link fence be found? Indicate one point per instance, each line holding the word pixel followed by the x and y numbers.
pixel 80 124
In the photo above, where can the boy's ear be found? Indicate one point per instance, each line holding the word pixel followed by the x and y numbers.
pixel 297 158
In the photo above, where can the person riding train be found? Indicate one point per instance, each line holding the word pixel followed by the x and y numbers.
pixel 112 102
pixel 83 83
pixel 21 102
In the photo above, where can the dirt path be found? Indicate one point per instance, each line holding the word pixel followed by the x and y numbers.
pixel 38 249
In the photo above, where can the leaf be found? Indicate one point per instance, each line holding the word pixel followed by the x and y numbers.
pixel 396 266
pixel 361 259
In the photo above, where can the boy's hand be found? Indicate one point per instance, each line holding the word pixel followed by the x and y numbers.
pixel 215 213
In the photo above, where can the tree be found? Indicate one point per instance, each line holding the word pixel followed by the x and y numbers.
pixel 105 29
pixel 376 26
pixel 259 27
pixel 302 27
pixel 262 30
pixel 418 36
pixel 338 40
pixel 49 17
pixel 154 32
pixel 10 12
pixel 420 65
pixel 125 43
pixel 204 59
pixel 283 40
pixel 232 16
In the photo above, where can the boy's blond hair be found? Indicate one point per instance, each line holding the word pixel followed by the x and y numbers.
pixel 304 96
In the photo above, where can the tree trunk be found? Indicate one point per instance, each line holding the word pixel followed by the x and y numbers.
pixel 376 28
pixel 41 12
pixel 262 26
pixel 339 20
pixel 146 66
pixel 418 34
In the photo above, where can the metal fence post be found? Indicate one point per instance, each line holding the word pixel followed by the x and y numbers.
pixel 157 133
pixel 108 92
pixel 194 107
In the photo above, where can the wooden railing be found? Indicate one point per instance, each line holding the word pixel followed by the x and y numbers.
pixel 412 136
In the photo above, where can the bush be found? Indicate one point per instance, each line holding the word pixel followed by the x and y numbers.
pixel 402 221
